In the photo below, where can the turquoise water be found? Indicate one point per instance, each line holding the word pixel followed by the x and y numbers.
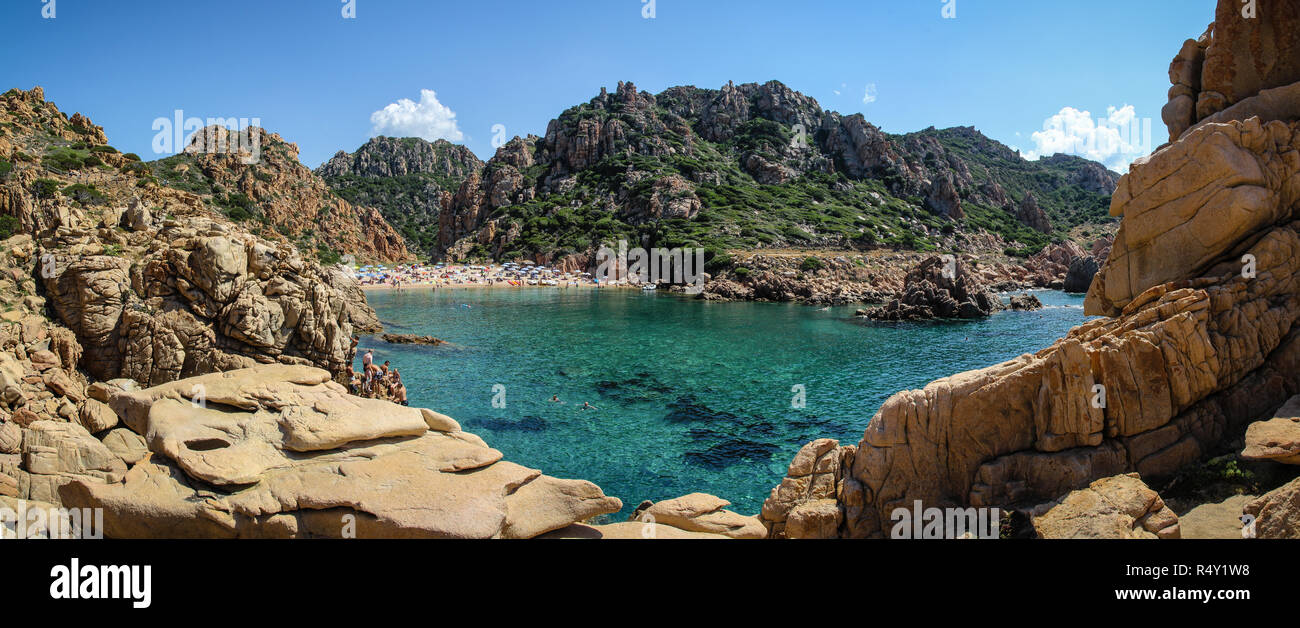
pixel 689 395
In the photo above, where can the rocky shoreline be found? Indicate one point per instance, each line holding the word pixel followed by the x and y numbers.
pixel 879 277
pixel 1193 348
pixel 175 369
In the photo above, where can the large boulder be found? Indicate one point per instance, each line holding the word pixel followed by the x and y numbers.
pixel 699 512
pixel 1276 515
pixel 1277 439
pixel 942 286
pixel 1119 507
pixel 1079 278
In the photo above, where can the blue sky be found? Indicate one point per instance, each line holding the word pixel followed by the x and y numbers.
pixel 1003 66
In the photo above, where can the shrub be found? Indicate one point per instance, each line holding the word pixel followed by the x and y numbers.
pixel 811 263
pixel 8 226
pixel 83 193
pixel 741 272
pixel 45 188
pixel 136 167
pixel 5 169
pixel 63 159
pixel 132 157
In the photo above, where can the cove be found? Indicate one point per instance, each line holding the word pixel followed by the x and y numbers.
pixel 690 395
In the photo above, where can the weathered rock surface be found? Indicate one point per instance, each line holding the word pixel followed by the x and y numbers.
pixel 1079 278
pixel 282 451
pixel 815 476
pixel 1119 507
pixel 155 283
pixel 1277 439
pixel 1033 216
pixel 699 512
pixel 1276 514
pixel 940 287
pixel 1025 302
pixel 1196 203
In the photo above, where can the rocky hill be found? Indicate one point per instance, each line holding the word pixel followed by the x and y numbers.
pixel 155 282
pixel 761 166
pixel 407 179
pixel 278 198
pixel 1200 337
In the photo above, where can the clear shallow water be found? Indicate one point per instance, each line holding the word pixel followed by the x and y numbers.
pixel 690 395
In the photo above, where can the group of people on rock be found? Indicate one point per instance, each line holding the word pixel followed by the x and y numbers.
pixel 377 381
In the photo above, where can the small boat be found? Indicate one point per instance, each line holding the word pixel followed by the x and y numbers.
pixel 649 286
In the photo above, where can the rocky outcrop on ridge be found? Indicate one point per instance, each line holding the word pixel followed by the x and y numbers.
pixel 407 179
pixel 155 283
pixel 284 452
pixel 1119 507
pixel 1202 294
pixel 281 192
pixel 1032 215
pixel 627 158
pixel 940 287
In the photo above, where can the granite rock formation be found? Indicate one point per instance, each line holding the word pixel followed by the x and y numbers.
pixel 407 179
pixel 627 158
pixel 940 287
pixel 284 452
pixel 1201 297
pixel 1119 507
pixel 154 283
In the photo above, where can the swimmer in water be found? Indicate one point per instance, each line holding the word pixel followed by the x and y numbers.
pixel 587 406
pixel 555 398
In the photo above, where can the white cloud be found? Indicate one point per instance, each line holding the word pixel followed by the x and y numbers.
pixel 427 119
pixel 1115 140
pixel 870 96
